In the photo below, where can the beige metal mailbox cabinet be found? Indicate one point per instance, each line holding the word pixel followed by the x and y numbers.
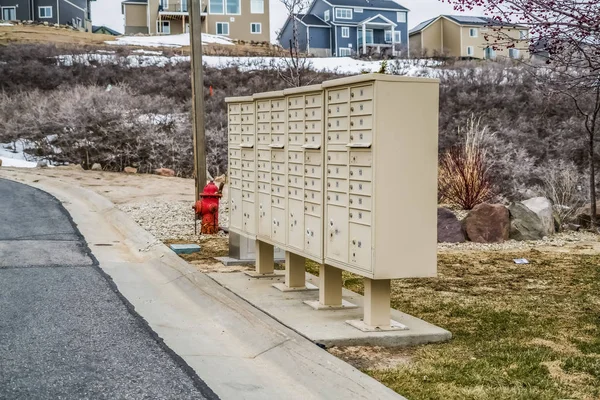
pixel 381 175
pixel 242 165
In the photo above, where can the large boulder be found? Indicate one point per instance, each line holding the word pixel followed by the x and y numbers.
pixel 524 223
pixel 96 167
pixel 164 172
pixel 130 170
pixel 449 228
pixel 543 208
pixel 488 223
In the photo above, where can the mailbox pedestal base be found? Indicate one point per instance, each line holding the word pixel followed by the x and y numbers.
pixel 330 290
pixel 295 276
pixel 377 308
pixel 265 263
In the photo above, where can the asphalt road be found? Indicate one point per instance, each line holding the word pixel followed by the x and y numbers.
pixel 65 330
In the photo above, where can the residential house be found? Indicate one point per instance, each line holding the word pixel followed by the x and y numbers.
pixel 468 37
pixel 346 27
pixel 239 19
pixel 105 30
pixel 76 13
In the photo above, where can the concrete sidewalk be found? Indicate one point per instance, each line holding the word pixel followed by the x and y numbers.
pixel 240 352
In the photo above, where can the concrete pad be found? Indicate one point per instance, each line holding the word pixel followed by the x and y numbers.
pixel 256 275
pixel 185 248
pixel 282 287
pixel 232 262
pixel 327 327
pixel 318 306
pixel 362 326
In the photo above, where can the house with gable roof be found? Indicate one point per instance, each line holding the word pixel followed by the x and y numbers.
pixel 463 36
pixel 349 27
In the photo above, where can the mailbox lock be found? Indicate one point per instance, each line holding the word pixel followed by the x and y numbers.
pixel 351 187
pixel 329 97
pixel 351 173
pixel 351 201
pixel 306 102
pixel 351 123
pixel 352 94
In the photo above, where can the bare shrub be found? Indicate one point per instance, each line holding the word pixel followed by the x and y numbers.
pixel 562 183
pixel 464 178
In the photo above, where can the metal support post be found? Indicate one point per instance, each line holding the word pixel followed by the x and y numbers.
pixel 377 302
pixel 330 284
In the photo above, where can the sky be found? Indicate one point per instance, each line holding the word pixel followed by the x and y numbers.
pixel 108 12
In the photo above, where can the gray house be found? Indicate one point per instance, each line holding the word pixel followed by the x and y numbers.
pixel 349 27
pixel 76 13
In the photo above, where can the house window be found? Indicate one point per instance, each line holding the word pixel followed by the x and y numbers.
pixel 233 7
pixel 345 32
pixel 513 53
pixel 223 28
pixel 326 15
pixel 256 27
pixel 8 13
pixel 524 34
pixel 358 10
pixel 397 36
pixel 45 12
pixel 470 51
pixel 369 37
pixel 216 7
pixel 490 53
pixel 473 32
pixel 401 17
pixel 257 6
pixel 345 52
pixel 343 13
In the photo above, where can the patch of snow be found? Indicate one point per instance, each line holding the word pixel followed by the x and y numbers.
pixel 148 52
pixel 5 24
pixel 16 157
pixel 168 40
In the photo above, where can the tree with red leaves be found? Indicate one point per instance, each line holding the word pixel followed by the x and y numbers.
pixel 566 33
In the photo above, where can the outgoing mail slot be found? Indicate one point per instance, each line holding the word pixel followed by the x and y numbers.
pixel 337 124
pixel 361 173
pixel 337 157
pixel 337 171
pixel 337 198
pixel 313 100
pixel 360 187
pixel 337 96
pixel 360 216
pixel 361 93
pixel 337 110
pixel 338 137
pixel 361 122
pixel 313 171
pixel 361 107
pixel 313 196
pixel 360 202
pixel 338 185
pixel 314 114
pixel 313 157
pixel 296 102
pixel 361 158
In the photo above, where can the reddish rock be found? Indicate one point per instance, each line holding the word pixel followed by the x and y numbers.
pixel 164 172
pixel 130 170
pixel 488 223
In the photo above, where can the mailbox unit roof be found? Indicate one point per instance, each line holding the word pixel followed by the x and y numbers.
pixel 376 77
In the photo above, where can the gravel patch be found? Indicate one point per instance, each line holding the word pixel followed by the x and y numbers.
pixel 558 240
pixel 170 219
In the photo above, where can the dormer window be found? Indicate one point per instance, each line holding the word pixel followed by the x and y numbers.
pixel 326 15
pixel 343 13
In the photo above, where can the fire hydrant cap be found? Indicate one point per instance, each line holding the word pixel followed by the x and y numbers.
pixel 210 190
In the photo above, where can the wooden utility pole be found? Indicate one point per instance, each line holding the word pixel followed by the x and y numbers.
pixel 197 95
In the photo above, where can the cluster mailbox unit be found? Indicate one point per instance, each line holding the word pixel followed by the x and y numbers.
pixel 343 173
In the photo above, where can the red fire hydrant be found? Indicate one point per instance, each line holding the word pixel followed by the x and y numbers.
pixel 207 209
